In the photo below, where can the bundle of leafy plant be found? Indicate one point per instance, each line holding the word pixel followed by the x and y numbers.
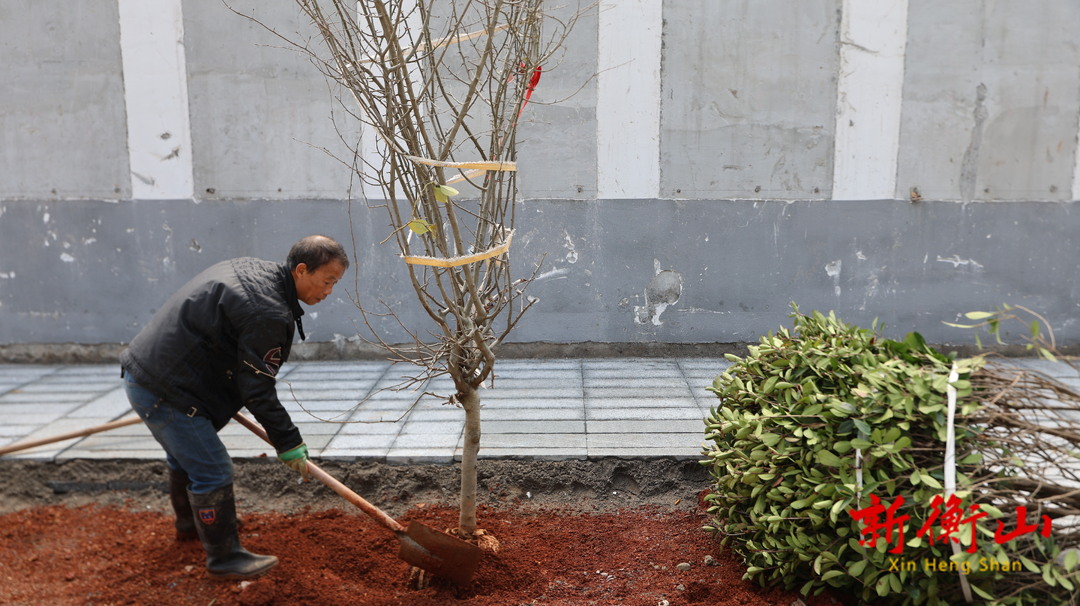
pixel 827 450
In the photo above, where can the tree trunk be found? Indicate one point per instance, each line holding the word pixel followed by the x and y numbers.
pixel 470 400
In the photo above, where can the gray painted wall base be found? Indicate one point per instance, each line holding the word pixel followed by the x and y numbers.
pixel 622 271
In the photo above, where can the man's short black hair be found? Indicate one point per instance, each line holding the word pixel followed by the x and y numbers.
pixel 316 251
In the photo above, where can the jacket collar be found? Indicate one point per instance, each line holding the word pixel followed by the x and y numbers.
pixel 293 301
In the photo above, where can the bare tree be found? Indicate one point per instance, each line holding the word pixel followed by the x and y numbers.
pixel 442 84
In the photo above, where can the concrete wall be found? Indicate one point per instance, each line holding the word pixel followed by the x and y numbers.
pixel 906 161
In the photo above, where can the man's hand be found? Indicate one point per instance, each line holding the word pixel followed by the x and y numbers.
pixel 296 459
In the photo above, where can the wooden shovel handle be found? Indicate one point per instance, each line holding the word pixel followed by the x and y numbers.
pixel 67 436
pixel 330 481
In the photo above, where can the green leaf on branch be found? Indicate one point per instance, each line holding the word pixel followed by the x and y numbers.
pixel 443 193
pixel 826 457
pixel 420 227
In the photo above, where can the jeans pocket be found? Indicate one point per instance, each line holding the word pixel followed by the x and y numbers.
pixel 158 416
pixel 150 408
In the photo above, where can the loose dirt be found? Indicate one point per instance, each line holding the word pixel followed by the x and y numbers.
pixel 610 532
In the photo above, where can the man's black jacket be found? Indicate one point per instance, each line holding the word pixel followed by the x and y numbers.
pixel 216 345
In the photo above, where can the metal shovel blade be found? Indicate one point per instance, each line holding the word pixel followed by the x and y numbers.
pixel 439 553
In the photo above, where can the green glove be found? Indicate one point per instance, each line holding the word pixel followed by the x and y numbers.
pixel 296 459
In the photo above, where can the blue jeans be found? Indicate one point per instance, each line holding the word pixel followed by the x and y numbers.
pixel 191 443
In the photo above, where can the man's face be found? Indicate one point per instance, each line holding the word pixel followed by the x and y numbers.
pixel 314 286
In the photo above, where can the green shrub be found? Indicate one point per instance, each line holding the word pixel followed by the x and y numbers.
pixel 816 421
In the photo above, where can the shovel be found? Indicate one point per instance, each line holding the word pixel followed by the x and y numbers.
pixel 423 547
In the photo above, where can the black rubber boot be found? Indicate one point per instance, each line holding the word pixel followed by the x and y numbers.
pixel 178 495
pixel 215 521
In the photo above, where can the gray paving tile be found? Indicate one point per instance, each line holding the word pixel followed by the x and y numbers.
pixel 631 402
pixel 47 451
pixel 642 376
pixel 442 388
pixel 700 383
pixel 75 385
pixel 355 454
pixel 339 368
pixel 387 391
pixel 49 455
pixel 320 373
pixel 341 444
pixel 537 374
pixel 533 454
pixel 532 427
pixel 645 453
pixel 13 431
pixel 25 372
pixel 328 418
pixel 250 442
pixel 137 429
pixel 321 395
pixel 129 448
pixel 20 397
pixel 420 456
pixel 302 386
pixel 41 410
pixel 235 429
pixel 419 441
pixel 536 387
pixel 383 404
pixel 594 363
pixel 547 441
pixel 636 382
pixel 317 441
pixel 379 417
pixel 707 403
pixel 643 414
pixel 659 393
pixel 317 428
pixel 645 440
pixel 113 443
pixel 1053 369
pixel 354 428
pixel 555 415
pixel 647 426
pixel 445 415
pixel 320 409
pixel 111 404
pixel 508 393
pixel 499 403
pixel 64 425
pixel 110 371
pixel 32 418
pixel 703 362
pixel 704 367
pixel 545 363
pixel 433 428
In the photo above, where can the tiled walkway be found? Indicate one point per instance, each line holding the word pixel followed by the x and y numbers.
pixel 537 409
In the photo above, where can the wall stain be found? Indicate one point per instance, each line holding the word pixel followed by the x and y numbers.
pixel 832 269
pixel 969 167
pixel 664 290
pixel 956 261
pixel 571 254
